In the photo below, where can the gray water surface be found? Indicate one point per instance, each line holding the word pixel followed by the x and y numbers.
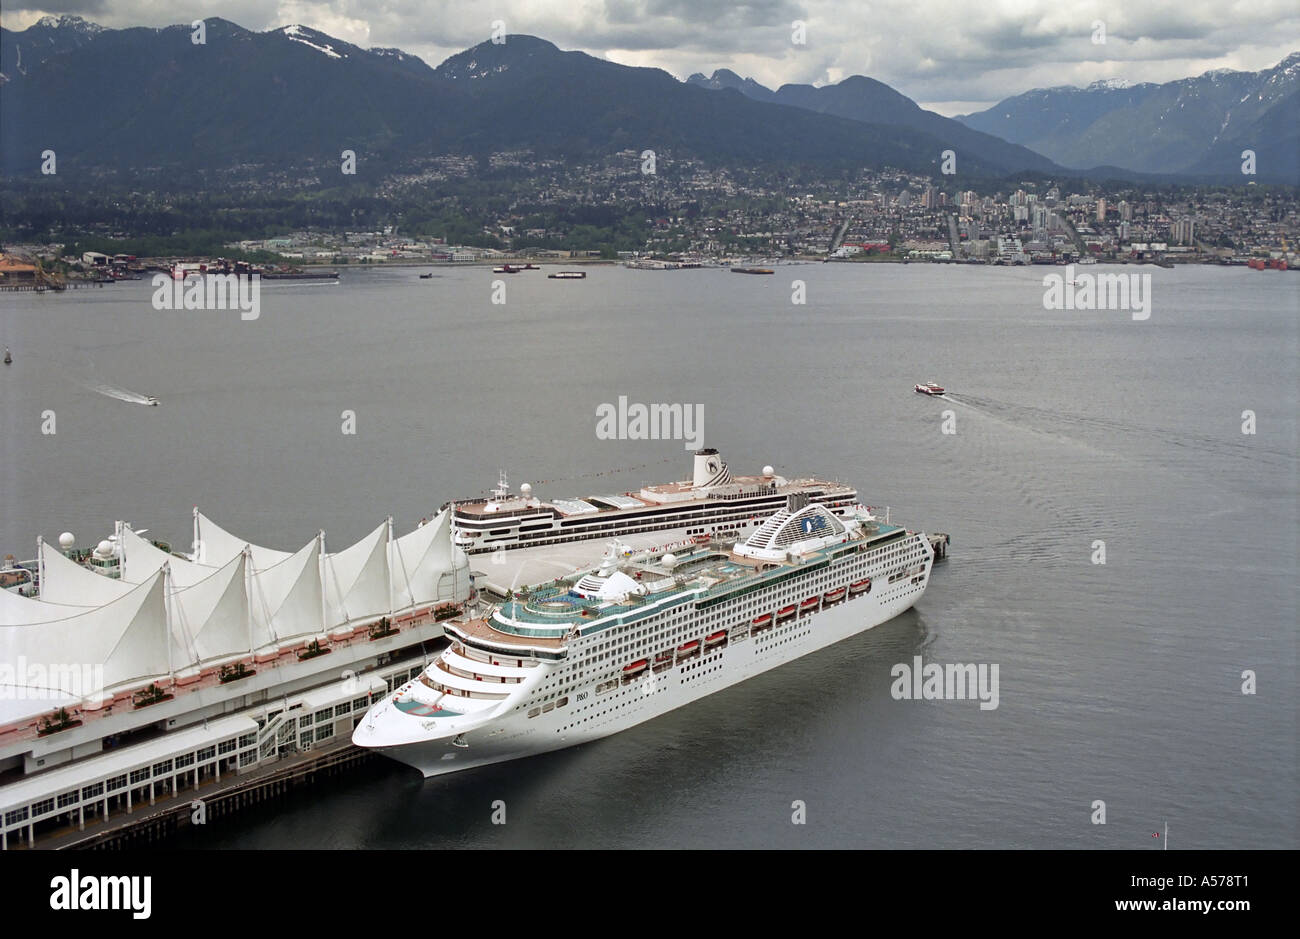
pixel 1118 682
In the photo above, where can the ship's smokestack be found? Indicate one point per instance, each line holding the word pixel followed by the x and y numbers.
pixel 796 501
pixel 708 468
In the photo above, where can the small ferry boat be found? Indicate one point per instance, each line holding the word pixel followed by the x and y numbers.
pixel 506 269
pixel 426 276
pixel 929 388
pixel 752 270
pixel 567 275
pixel 9 359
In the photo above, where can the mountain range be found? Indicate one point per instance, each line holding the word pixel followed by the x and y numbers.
pixel 1194 126
pixel 294 98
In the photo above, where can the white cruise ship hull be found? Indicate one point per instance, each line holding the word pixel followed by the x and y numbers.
pixel 590 716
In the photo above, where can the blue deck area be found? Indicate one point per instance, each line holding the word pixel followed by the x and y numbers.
pixel 416 709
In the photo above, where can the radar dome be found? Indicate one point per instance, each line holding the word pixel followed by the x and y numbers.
pixel 768 471
pixel 669 560
pixel 526 490
pixel 66 540
pixel 104 548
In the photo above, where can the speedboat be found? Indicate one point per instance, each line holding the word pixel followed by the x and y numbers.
pixel 929 388
pixel 152 402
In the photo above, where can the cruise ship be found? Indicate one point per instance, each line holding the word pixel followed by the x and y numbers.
pixel 603 649
pixel 712 501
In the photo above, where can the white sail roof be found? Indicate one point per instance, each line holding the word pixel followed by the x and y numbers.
pixel 212 617
pixel 127 638
pixel 20 611
pixel 356 579
pixel 286 598
pixel 217 546
pixel 141 560
pixel 426 566
pixel 63 580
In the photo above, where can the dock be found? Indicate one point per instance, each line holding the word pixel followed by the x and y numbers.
pixel 169 815
pixel 939 542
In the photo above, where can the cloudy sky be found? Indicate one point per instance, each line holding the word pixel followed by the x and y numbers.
pixel 952 57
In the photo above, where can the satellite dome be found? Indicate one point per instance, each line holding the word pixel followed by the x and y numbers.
pixel 66 540
pixel 104 548
pixel 768 471
pixel 669 559
pixel 526 490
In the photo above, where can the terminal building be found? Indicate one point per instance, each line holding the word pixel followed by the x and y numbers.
pixel 141 673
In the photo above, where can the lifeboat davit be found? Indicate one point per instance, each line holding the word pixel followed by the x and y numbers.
pixel 860 586
pixel 663 657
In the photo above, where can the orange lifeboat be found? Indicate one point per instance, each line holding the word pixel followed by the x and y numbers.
pixel 689 646
pixel 715 638
pixel 860 586
pixel 836 594
pixel 638 666
pixel 785 612
pixel 810 603
pixel 763 620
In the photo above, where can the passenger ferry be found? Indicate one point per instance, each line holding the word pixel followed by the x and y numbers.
pixel 602 650
pixel 711 501
pixel 930 388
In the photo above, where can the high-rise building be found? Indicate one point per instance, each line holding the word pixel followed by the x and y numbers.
pixel 1184 231
pixel 1125 211
pixel 1101 210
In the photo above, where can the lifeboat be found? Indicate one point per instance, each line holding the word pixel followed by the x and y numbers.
pixel 810 603
pixel 763 620
pixel 836 594
pixel 638 666
pixel 860 586
pixel 715 638
pixel 689 646
pixel 786 612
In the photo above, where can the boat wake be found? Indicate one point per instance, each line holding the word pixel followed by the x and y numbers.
pixel 121 394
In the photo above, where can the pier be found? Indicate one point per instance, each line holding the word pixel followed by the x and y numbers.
pixel 166 816
pixel 939 542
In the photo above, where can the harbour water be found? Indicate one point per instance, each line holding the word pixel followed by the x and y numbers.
pixel 1120 682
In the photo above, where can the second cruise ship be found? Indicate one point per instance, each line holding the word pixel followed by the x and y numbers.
pixel 711 501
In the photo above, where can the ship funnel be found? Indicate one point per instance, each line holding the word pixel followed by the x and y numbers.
pixel 709 469
pixel 796 501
